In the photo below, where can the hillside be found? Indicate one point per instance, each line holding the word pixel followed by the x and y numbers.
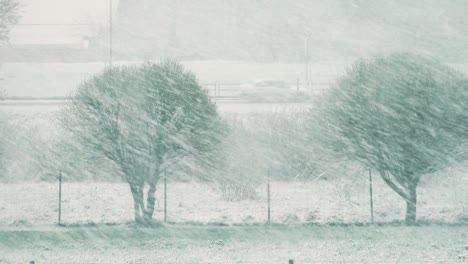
pixel 275 30
pixel 260 30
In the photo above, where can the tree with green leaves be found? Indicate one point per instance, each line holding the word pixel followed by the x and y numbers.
pixel 402 115
pixel 8 17
pixel 144 119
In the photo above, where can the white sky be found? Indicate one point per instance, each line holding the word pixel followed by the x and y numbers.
pixel 59 12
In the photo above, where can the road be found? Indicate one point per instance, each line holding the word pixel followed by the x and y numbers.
pixel 225 106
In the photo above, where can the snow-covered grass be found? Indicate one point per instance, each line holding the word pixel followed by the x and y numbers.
pixel 214 244
pixel 323 201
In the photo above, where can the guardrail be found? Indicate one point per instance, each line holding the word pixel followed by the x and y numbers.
pixel 216 90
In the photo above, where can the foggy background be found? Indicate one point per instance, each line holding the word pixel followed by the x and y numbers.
pixel 259 30
pixel 237 41
pixel 264 63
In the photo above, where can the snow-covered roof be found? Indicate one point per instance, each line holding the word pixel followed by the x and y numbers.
pixel 52 21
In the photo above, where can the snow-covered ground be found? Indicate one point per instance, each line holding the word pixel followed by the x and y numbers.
pixel 211 244
pixel 330 201
pixel 100 229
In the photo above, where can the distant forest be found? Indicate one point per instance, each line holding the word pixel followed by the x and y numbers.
pixel 276 30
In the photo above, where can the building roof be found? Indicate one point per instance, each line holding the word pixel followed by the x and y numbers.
pixel 60 21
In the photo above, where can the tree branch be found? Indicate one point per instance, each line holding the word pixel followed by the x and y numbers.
pixel 392 185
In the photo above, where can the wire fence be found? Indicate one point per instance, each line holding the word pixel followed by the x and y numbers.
pixel 219 89
pixel 342 201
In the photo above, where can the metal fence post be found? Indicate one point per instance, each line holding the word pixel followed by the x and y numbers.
pixel 216 88
pixel 371 196
pixel 60 200
pixel 269 198
pixel 165 195
pixel 269 218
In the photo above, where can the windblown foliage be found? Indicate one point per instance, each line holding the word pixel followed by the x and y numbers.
pixel 144 119
pixel 402 115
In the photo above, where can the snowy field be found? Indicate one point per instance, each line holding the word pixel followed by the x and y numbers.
pixel 322 202
pixel 212 244
pixel 205 229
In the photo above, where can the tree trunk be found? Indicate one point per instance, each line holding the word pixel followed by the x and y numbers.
pixel 150 201
pixel 137 193
pixel 411 203
pixel 407 191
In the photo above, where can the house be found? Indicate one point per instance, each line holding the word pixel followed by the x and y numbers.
pixel 61 31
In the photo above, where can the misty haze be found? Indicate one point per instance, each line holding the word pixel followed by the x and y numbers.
pixel 233 131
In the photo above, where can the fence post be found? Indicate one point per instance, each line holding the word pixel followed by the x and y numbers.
pixel 269 198
pixel 219 89
pixel 291 261
pixel 371 196
pixel 60 200
pixel 268 190
pixel 165 195
pixel 297 84
pixel 32 262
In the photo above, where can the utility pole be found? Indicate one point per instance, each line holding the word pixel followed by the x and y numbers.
pixel 306 61
pixel 110 33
